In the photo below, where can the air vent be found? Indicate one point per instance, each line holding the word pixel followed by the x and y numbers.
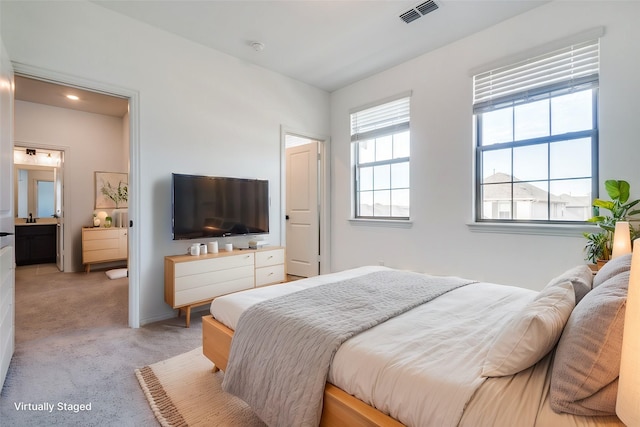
pixel 418 11
pixel 426 7
pixel 410 15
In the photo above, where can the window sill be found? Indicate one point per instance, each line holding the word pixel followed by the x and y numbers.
pixel 391 223
pixel 567 230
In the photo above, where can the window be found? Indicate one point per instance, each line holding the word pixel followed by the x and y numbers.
pixel 537 138
pixel 44 201
pixel 381 149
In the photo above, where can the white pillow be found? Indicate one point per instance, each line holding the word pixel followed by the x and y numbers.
pixel 531 333
pixel 117 273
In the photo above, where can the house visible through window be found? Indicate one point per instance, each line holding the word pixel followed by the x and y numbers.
pixel 381 151
pixel 537 137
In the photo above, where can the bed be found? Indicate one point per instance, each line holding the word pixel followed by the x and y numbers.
pixel 480 354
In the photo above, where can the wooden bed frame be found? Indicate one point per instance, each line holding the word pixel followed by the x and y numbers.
pixel 339 408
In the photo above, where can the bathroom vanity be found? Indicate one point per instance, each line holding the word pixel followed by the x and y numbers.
pixel 35 243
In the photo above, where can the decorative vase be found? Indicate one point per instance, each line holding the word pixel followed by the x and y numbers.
pixel 107 222
pixel 96 222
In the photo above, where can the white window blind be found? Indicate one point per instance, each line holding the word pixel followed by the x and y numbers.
pixel 571 66
pixel 391 117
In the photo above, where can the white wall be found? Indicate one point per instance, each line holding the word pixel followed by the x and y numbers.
pixel 201 111
pixel 442 154
pixel 91 142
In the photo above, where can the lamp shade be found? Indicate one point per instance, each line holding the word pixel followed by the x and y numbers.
pixel 621 240
pixel 628 401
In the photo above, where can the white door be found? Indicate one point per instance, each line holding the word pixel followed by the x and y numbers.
pixel 303 222
pixel 7 260
pixel 59 212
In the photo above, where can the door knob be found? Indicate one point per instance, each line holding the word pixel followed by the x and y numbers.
pixel 4 234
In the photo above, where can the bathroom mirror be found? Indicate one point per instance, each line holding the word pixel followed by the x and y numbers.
pixel 34 191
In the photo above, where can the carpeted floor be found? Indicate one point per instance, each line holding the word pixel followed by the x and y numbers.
pixel 73 347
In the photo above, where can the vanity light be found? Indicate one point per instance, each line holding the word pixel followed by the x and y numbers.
pixel 73 97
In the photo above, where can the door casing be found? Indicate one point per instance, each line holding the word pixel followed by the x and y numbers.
pixel 134 165
pixel 324 175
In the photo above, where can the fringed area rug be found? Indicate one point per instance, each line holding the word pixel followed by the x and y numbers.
pixel 183 391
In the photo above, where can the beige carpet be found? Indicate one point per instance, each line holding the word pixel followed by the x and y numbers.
pixel 183 391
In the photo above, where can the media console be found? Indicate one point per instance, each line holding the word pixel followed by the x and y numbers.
pixel 190 281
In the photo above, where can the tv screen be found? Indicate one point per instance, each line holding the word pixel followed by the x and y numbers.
pixel 208 206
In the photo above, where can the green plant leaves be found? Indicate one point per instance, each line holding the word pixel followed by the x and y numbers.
pixel 599 244
pixel 617 190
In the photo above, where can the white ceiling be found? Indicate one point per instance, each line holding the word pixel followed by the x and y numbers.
pixel 328 44
pixel 325 43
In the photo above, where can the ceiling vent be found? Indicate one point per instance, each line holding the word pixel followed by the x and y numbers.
pixel 418 11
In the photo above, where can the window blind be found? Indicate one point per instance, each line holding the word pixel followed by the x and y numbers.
pixel 381 120
pixel 572 66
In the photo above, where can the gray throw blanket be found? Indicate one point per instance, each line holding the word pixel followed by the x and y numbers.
pixel 282 348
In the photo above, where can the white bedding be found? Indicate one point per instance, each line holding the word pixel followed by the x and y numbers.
pixel 417 366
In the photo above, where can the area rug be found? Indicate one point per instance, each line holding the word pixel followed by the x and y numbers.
pixel 183 391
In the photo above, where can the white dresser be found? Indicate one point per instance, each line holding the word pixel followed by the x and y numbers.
pixel 191 281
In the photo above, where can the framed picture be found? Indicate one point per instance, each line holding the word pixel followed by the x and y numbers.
pixel 112 190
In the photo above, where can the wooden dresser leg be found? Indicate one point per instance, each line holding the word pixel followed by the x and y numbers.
pixel 188 316
pixel 215 369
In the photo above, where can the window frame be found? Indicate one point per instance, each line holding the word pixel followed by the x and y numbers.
pixel 543 74
pixel 384 131
pixel 592 134
pixel 357 166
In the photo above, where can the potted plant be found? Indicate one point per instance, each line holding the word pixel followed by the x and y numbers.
pixel 598 245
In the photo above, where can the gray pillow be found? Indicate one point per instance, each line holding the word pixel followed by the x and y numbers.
pixel 580 278
pixel 612 268
pixel 584 377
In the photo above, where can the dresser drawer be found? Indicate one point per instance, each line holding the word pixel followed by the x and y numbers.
pixel 100 256
pixel 198 266
pixel 213 277
pixel 266 258
pixel 102 233
pixel 95 245
pixel 270 275
pixel 203 293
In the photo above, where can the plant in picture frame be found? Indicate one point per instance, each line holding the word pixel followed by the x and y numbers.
pixel 117 194
pixel 112 190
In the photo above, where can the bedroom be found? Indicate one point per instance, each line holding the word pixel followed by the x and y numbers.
pixel 183 115
pixel 193 114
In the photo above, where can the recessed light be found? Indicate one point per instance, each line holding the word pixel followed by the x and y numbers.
pixel 73 97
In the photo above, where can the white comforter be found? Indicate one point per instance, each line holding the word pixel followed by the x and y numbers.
pixel 420 366
pixel 424 365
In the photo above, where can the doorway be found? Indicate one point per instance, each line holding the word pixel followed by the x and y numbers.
pixel 38 201
pixel 113 97
pixel 305 204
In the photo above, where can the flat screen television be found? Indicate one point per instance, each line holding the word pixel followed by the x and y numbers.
pixel 210 206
